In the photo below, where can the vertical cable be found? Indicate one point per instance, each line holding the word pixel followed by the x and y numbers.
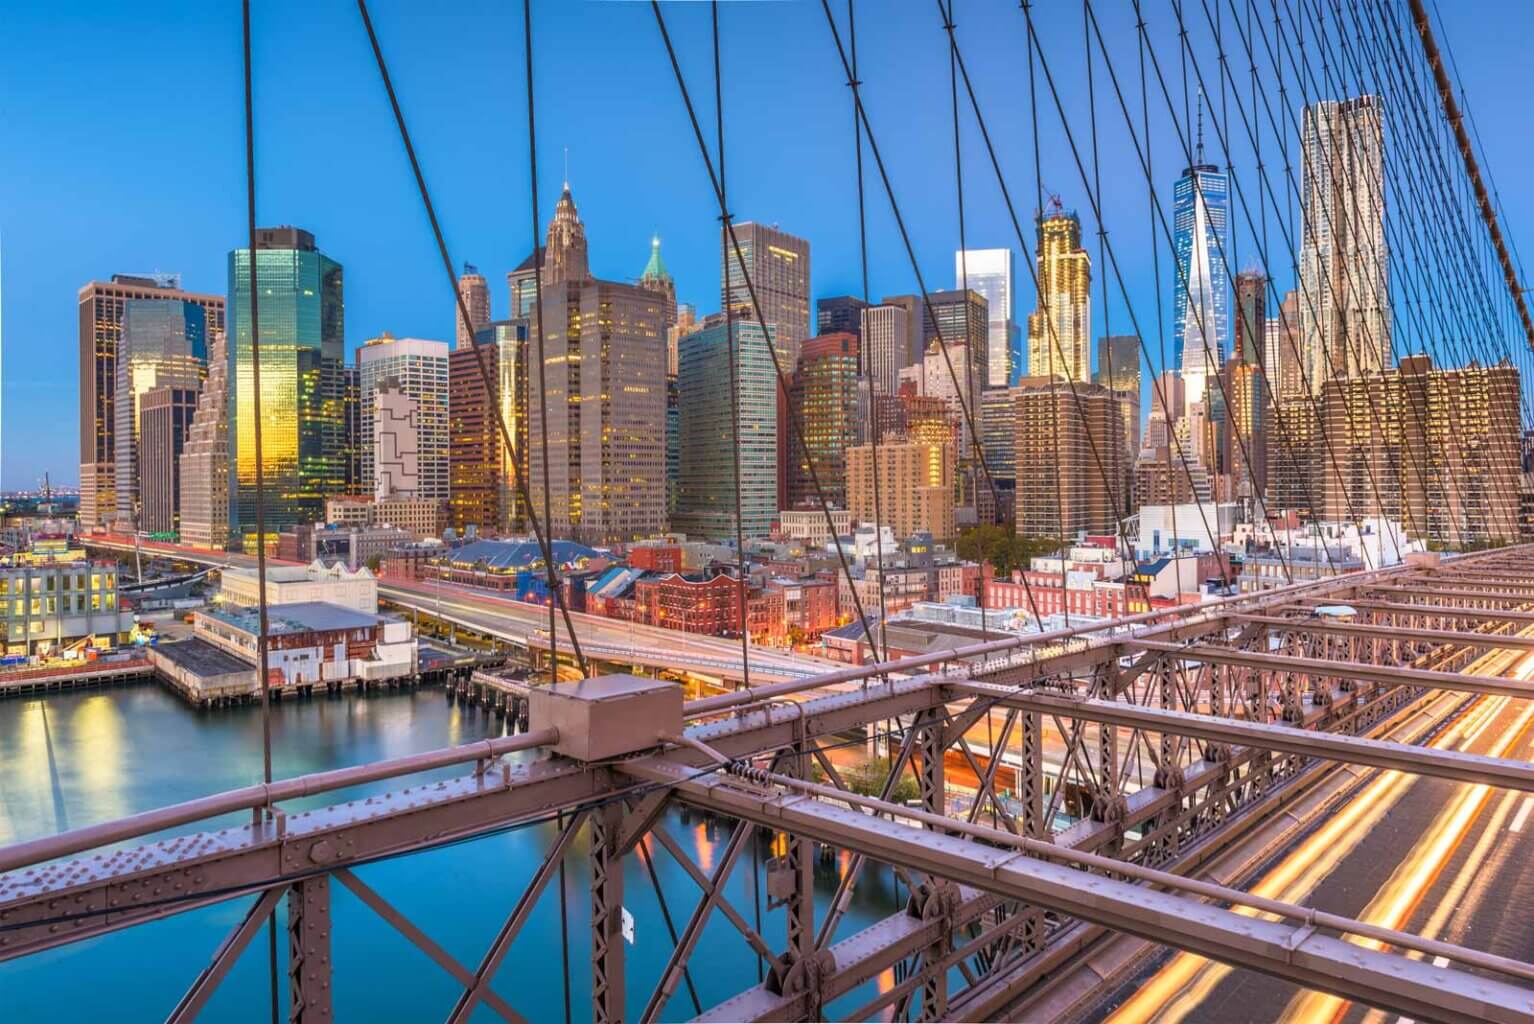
pixel 733 351
pixel 255 374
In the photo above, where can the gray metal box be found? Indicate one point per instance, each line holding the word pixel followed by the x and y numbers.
pixel 608 716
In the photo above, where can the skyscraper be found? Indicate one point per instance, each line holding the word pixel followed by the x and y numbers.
pixel 420 370
pixel 513 361
pixel 604 389
pixel 1246 440
pixel 475 291
pixel 656 278
pixel 839 314
pixel 1118 369
pixel 101 313
pixel 1281 362
pixel 1060 329
pixel 916 486
pixel 165 416
pixel 705 504
pixel 887 347
pixel 824 396
pixel 163 345
pixel 303 402
pixel 779 267
pixel 474 437
pixel 1344 311
pixel 989 272
pixel 964 319
pixel 1062 490
pixel 204 470
pixel 1200 278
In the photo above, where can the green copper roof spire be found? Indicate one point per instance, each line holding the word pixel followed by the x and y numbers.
pixel 656 268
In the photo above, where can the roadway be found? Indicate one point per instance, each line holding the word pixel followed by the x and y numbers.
pixel 1440 859
pixel 525 625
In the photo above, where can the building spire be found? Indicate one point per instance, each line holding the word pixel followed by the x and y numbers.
pixel 1200 151
pixel 567 168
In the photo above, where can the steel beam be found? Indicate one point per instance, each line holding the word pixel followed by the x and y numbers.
pixel 309 964
pixel 1488 641
pixel 224 957
pixel 1435 611
pixel 607 971
pixel 1384 674
pixel 1348 749
pixel 1283 949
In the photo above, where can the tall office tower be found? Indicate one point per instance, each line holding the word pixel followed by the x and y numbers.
pixel 1244 391
pixel 101 314
pixel 1435 449
pixel 686 322
pixel 1251 342
pixel 353 443
pixel 420 369
pixel 564 250
pixel 1118 369
pixel 522 285
pixel 705 505
pixel 887 347
pixel 1281 362
pixel 303 420
pixel 1061 489
pixel 163 344
pixel 604 389
pixel 512 362
pixel 1345 305
pixel 1060 329
pixel 963 318
pixel 656 278
pixel 998 442
pixel 203 477
pixel 673 442
pixel 916 486
pixel 474 437
pixel 475 291
pixel 824 395
pixel 164 416
pixel 840 314
pixel 917 325
pixel 779 267
pixel 1200 277
pixel 989 272
pixel 395 419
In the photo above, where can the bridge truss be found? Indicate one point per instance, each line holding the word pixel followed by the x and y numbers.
pixel 1180 729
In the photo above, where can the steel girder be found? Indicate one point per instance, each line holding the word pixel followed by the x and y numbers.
pixel 1292 951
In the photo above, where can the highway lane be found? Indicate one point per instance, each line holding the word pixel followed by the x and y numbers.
pixel 1424 855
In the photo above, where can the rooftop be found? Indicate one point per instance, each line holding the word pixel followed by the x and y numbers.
pixel 299 617
pixel 514 555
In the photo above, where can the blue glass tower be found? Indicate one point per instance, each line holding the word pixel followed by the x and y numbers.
pixel 1200 278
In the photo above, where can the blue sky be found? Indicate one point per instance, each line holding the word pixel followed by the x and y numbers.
pixel 122 150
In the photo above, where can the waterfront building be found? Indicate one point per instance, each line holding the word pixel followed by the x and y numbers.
pixel 706 483
pixel 46 603
pixel 102 307
pixel 313 643
pixel 604 388
pixel 163 344
pixel 203 473
pixel 475 292
pixel 419 370
pixel 1060 328
pixel 916 486
pixel 1344 314
pixel 303 400
pixel 778 264
pixel 335 584
pixel 824 395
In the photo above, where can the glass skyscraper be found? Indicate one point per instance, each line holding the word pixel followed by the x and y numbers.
pixel 989 272
pixel 164 344
pixel 706 488
pixel 302 390
pixel 1200 278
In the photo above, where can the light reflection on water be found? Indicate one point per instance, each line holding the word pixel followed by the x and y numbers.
pixel 73 759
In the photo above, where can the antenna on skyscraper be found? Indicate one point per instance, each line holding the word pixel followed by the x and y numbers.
pixel 1200 150
pixel 567 168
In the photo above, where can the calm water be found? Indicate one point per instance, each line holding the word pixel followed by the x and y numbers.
pixel 75 759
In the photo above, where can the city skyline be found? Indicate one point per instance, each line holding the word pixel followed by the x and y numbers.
pixel 392 284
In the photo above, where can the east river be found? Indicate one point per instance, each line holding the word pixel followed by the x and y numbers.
pixel 78 758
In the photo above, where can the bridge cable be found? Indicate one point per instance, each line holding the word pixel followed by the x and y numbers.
pixel 262 642
pixel 523 493
pixel 796 429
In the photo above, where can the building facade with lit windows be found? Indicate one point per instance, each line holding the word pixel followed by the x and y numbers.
pixel 475 449
pixel 418 369
pixel 1060 328
pixel 705 506
pixel 988 272
pixel 779 267
pixel 1072 470
pixel 302 416
pixel 46 603
pixel 103 305
pixel 916 486
pixel 824 397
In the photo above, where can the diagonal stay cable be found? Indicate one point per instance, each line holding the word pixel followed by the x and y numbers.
pixel 796 429
pixel 468 323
